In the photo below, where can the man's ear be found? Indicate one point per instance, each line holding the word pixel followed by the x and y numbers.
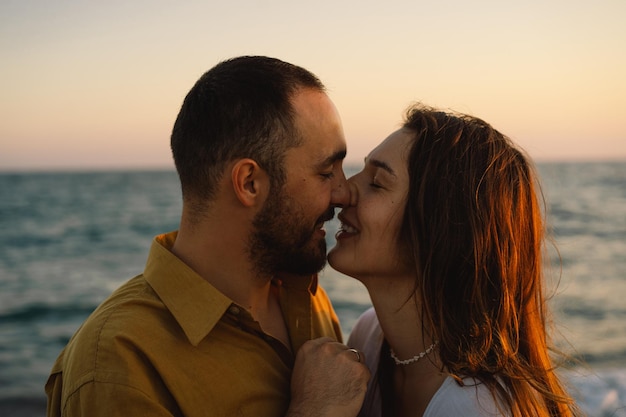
pixel 250 182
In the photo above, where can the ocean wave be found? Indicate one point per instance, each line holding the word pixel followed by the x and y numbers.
pixel 40 312
pixel 23 407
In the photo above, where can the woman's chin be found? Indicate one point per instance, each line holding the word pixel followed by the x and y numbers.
pixel 334 260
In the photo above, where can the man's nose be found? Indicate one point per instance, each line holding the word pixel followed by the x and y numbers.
pixel 340 196
pixel 345 193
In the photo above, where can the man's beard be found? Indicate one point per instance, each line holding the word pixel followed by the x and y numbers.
pixel 283 239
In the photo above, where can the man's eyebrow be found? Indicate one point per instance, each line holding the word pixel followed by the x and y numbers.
pixel 337 156
pixel 380 164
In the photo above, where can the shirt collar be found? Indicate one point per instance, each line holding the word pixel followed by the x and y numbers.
pixel 197 305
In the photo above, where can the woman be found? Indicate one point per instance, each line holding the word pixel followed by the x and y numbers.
pixel 446 232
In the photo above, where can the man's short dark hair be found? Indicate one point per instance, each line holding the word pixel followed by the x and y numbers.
pixel 241 108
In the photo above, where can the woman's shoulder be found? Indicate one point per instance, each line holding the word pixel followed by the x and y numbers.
pixel 472 399
pixel 365 329
pixel 367 337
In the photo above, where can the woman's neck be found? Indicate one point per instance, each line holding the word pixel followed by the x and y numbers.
pixel 398 312
pixel 399 315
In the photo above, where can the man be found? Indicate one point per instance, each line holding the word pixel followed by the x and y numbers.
pixel 222 318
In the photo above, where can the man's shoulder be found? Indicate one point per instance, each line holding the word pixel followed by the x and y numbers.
pixel 127 307
pixel 114 327
pixel 114 341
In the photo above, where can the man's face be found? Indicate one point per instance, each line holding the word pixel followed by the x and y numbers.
pixel 289 235
pixel 286 240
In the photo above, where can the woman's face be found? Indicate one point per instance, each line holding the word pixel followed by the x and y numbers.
pixel 367 243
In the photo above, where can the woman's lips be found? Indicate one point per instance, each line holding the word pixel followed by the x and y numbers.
pixel 345 229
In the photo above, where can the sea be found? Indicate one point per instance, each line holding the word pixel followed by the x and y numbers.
pixel 68 239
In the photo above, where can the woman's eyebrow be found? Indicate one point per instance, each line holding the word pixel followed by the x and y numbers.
pixel 381 164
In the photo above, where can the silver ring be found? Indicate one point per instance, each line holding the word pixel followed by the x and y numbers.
pixel 356 352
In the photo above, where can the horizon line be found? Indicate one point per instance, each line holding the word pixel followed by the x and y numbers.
pixel 168 167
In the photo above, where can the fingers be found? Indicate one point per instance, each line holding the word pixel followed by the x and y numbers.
pixel 329 347
pixel 329 376
pixel 357 353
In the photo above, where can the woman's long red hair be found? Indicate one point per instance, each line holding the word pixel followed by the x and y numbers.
pixel 475 231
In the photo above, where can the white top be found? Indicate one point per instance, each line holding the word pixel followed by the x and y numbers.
pixel 471 400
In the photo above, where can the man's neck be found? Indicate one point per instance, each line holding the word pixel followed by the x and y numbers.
pixel 221 259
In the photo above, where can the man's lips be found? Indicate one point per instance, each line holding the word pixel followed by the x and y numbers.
pixel 329 215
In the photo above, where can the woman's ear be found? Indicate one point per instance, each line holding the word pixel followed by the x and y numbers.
pixel 249 181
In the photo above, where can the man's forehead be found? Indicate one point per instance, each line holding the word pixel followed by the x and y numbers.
pixel 314 108
pixel 319 124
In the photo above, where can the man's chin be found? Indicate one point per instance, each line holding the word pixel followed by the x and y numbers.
pixel 304 267
pixel 306 262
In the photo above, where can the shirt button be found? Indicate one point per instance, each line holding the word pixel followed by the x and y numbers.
pixel 233 309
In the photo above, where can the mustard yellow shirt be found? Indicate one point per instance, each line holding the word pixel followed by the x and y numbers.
pixel 167 343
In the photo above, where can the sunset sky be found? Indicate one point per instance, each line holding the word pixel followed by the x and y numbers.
pixel 88 85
